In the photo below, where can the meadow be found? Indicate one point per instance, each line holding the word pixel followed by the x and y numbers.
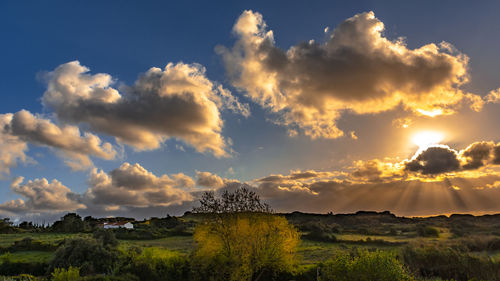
pixel 459 247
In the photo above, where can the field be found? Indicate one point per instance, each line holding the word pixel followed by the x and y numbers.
pixel 451 243
pixel 53 238
pixel 309 251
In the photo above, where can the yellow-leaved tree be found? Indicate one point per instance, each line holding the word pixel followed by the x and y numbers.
pixel 241 239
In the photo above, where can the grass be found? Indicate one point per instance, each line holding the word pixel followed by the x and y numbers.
pixel 9 239
pixel 27 256
pixel 183 244
pixel 311 252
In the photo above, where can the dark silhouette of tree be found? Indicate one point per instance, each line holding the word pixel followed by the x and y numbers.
pixel 70 223
pixel 242 200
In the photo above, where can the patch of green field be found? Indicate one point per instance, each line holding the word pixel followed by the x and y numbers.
pixel 183 244
pixel 27 256
pixel 9 239
pixel 311 252
pixel 357 237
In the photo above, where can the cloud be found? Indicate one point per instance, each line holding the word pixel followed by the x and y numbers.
pixel 357 69
pixel 41 196
pixel 178 101
pixel 23 128
pixel 493 96
pixel 375 170
pixel 442 159
pixel 207 179
pixel 477 154
pixel 132 186
pixel 12 149
pixel 435 160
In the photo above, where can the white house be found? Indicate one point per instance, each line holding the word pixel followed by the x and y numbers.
pixel 123 224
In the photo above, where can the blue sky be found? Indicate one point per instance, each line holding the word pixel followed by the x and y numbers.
pixel 126 38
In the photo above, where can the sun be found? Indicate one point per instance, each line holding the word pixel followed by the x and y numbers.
pixel 427 138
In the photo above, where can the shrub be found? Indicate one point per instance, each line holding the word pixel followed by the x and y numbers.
pixel 70 274
pixel 87 254
pixel 373 266
pixel 155 265
pixel 427 231
pixel 449 263
pixel 8 268
pixel 106 237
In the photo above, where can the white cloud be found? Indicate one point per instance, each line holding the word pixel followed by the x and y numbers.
pixel 207 179
pixel 23 128
pixel 178 101
pixel 41 196
pixel 357 69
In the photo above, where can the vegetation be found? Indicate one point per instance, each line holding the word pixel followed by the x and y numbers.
pixel 235 236
pixel 364 265
pixel 62 274
pixel 241 239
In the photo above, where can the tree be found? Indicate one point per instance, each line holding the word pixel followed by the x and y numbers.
pixel 241 239
pixel 70 223
pixel 241 200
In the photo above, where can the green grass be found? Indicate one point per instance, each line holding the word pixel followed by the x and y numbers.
pixel 27 256
pixel 183 244
pixel 9 239
pixel 311 252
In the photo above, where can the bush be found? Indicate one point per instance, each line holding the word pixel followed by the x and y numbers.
pixel 449 263
pixel 156 265
pixel 427 231
pixel 70 274
pixel 319 232
pixel 8 268
pixel 87 254
pixel 106 237
pixel 364 265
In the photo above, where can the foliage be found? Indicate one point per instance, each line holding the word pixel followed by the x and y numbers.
pixel 70 223
pixel 427 231
pixel 319 231
pixel 153 264
pixel 449 263
pixel 70 274
pixel 6 226
pixel 87 254
pixel 245 246
pixel 106 237
pixel 9 268
pixel 364 265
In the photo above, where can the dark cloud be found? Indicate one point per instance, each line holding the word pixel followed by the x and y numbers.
pixel 434 160
pixel 133 186
pixel 477 154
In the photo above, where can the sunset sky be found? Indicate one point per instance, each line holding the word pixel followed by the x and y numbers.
pixel 134 109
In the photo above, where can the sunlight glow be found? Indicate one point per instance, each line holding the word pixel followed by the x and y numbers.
pixel 427 138
pixel 431 113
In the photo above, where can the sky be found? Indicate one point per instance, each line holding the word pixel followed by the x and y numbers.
pixel 121 108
